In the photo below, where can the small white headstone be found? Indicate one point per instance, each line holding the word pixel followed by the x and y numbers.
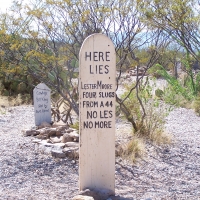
pixel 42 104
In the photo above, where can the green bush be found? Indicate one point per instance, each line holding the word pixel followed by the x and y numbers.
pixel 155 71
pixel 75 125
pixel 134 149
pixel 153 121
pixel 22 87
pixel 196 105
pixel 159 93
pixel 15 84
pixel 5 92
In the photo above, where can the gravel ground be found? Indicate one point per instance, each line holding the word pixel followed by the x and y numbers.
pixel 167 172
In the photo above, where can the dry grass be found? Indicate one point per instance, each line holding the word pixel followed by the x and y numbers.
pixel 21 99
pixel 17 100
pixel 161 137
pixel 75 125
pixel 133 150
pixel 151 129
pixel 196 105
pixel 4 101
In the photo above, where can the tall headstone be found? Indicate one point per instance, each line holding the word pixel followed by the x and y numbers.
pixel 97 84
pixel 42 104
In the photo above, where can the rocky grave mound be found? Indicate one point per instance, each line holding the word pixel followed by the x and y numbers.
pixel 59 140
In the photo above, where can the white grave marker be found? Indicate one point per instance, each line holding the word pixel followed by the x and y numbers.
pixel 42 104
pixel 97 84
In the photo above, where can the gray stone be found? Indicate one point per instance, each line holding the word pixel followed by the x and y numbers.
pixel 55 140
pixel 72 144
pixel 97 194
pixel 80 197
pixel 47 132
pixel 60 124
pixel 31 132
pixel 36 141
pixel 74 135
pixel 71 152
pixel 70 130
pixel 45 143
pixel 67 138
pixel 44 125
pixel 58 153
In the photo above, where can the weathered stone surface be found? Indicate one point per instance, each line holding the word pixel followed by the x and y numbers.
pixel 74 135
pixel 51 132
pixel 67 138
pixel 72 144
pixel 44 125
pixel 58 153
pixel 45 143
pixel 119 198
pixel 60 124
pixel 55 139
pixel 54 149
pixel 43 134
pixel 36 141
pixel 80 197
pixel 56 145
pixel 97 194
pixel 71 152
pixel 42 137
pixel 60 130
pixel 31 132
pixel 47 132
pixel 70 130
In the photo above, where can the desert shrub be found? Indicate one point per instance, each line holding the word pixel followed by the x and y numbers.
pixel 134 149
pixel 152 123
pixel 152 127
pixel 149 128
pixel 196 105
pixel 154 71
pixel 20 99
pixel 197 83
pixel 21 87
pixel 170 96
pixel 13 83
pixel 5 92
pixel 179 92
pixel 159 93
pixel 75 125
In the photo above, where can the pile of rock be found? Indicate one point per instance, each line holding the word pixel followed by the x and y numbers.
pixel 60 140
pixel 96 194
pixel 134 71
pixel 57 139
